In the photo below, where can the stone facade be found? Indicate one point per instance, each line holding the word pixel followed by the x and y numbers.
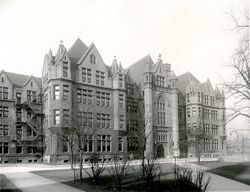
pixel 123 111
pixel 20 118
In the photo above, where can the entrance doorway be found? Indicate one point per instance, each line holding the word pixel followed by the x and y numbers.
pixel 160 151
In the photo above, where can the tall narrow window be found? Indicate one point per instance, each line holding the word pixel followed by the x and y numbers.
pixel 56 117
pixel 56 92
pixel 92 59
pixel 120 80
pixel 5 93
pixel 65 92
pixel 65 69
pixel 161 111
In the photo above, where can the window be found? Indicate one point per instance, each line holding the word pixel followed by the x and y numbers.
pixel 104 143
pixel 4 148
pixel 19 132
pixel 212 100
pixel 65 116
pixel 18 97
pixel 160 81
pixel 5 111
pixel 78 95
pixel 100 78
pixel 132 106
pixel 65 92
pixel 207 128
pixel 133 143
pixel 56 117
pixel 121 121
pixel 120 80
pixel 56 92
pixel 65 69
pixel 161 119
pixel 5 92
pixel 120 144
pixel 5 130
pixel 19 149
pixel 103 120
pixel 87 96
pixel 65 146
pixel 92 59
pixel 199 112
pixel 102 99
pixel 19 114
pixel 130 89
pixel 162 136
pixel 188 112
pixel 187 97
pixel 87 118
pixel 199 97
pixel 86 75
pixel 194 111
pixel 29 94
pixel 121 100
pixel 132 125
pixel 88 143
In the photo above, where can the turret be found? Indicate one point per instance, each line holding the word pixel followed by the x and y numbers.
pixel 148 102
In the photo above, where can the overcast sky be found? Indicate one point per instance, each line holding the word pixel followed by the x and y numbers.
pixel 192 35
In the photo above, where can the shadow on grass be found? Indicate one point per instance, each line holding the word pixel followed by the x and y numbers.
pixel 238 172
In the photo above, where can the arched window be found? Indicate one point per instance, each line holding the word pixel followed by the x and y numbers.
pixel 161 111
pixel 92 59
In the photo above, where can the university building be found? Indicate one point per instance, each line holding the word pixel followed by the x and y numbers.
pixel 20 118
pixel 123 107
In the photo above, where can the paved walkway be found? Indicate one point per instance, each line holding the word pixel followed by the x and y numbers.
pixel 21 177
pixel 218 183
pixel 29 182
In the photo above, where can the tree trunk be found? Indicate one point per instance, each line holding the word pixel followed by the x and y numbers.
pixel 72 156
pixel 80 165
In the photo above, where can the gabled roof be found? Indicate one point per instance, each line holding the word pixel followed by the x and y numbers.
pixel 136 70
pixel 20 80
pixel 184 80
pixel 77 50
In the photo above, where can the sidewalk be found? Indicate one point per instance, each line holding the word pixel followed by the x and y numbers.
pixel 21 177
pixel 218 183
pixel 29 182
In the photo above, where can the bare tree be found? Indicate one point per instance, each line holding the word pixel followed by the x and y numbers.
pixel 197 136
pixel 80 132
pixel 238 88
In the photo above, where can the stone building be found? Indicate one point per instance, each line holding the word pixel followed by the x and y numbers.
pixel 122 111
pixel 202 115
pixel 20 118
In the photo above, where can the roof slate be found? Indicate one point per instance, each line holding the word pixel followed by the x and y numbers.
pixel 136 70
pixel 184 80
pixel 20 79
pixel 77 49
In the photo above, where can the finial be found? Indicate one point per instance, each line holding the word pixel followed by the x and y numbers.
pixel 114 56
pixel 61 41
pixel 159 56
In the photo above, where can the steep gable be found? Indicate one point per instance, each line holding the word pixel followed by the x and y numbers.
pixel 184 80
pixel 135 71
pixel 77 50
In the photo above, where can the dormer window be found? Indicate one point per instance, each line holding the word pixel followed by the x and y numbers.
pixel 92 59
pixel 2 79
pixel 31 84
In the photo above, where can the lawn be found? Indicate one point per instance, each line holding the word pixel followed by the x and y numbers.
pixel 236 171
pixel 131 183
pixel 6 185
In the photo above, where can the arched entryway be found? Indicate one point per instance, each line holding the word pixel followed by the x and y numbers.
pixel 160 151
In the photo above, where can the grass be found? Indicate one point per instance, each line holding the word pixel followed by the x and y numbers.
pixel 6 185
pixel 236 171
pixel 131 183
